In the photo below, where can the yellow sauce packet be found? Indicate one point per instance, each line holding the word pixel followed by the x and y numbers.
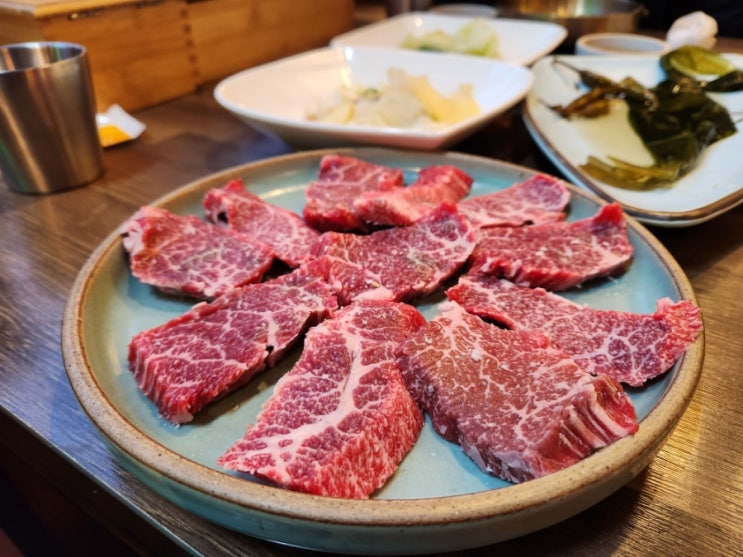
pixel 116 126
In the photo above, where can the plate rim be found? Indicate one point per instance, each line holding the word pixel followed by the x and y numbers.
pixel 605 470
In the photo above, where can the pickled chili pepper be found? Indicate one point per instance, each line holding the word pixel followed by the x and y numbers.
pixel 675 120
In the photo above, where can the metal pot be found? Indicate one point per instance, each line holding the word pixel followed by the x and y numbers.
pixel 579 17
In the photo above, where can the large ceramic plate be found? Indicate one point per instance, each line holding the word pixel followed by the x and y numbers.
pixel 438 500
pixel 519 41
pixel 279 96
pixel 713 187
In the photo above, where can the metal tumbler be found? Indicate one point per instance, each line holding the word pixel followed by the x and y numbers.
pixel 48 135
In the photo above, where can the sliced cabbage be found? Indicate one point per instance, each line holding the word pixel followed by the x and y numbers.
pixel 476 37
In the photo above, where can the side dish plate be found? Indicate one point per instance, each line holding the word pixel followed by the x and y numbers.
pixel 713 187
pixel 438 500
pixel 279 96
pixel 519 41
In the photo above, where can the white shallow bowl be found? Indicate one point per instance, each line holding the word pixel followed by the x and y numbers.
pixel 520 42
pixel 620 44
pixel 278 97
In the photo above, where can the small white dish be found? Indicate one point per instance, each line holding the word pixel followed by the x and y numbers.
pixel 279 96
pixel 520 42
pixel 620 44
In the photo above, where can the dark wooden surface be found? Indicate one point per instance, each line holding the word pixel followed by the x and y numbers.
pixel 689 501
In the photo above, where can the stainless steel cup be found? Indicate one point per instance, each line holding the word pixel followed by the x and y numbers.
pixel 48 135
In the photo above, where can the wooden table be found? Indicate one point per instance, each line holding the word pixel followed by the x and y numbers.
pixel 689 500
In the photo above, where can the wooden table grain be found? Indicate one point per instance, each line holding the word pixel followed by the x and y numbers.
pixel 688 501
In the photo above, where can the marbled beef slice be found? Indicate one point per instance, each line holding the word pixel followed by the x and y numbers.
pixel 519 407
pixel 556 256
pixel 433 186
pixel 341 420
pixel 341 179
pixel 540 199
pixel 184 255
pixel 398 264
pixel 214 348
pixel 629 347
pixel 243 211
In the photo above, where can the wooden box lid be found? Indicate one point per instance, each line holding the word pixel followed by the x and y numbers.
pixel 47 8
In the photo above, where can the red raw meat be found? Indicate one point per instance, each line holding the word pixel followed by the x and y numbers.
pixel 403 206
pixel 539 199
pixel 398 264
pixel 341 179
pixel 519 407
pixel 281 229
pixel 628 347
pixel 214 348
pixel 556 256
pixel 185 255
pixel 341 420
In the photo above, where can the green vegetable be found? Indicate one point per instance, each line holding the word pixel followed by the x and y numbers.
pixel 732 81
pixel 692 62
pixel 630 176
pixel 676 120
pixel 475 37
pixel 601 89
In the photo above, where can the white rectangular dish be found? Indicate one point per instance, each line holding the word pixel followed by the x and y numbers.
pixel 279 97
pixel 520 42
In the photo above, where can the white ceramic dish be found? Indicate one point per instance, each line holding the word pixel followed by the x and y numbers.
pixel 713 187
pixel 471 10
pixel 438 500
pixel 620 44
pixel 277 97
pixel 520 42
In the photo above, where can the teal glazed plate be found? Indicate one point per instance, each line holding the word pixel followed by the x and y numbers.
pixel 438 500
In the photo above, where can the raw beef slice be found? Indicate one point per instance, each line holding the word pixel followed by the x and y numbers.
pixel 519 407
pixel 539 199
pixel 403 206
pixel 628 347
pixel 341 420
pixel 214 348
pixel 281 229
pixel 185 255
pixel 341 179
pixel 556 256
pixel 398 264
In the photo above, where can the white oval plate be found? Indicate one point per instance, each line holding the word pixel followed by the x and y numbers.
pixel 713 187
pixel 438 500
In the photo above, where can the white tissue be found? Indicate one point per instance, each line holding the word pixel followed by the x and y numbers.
pixel 696 28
